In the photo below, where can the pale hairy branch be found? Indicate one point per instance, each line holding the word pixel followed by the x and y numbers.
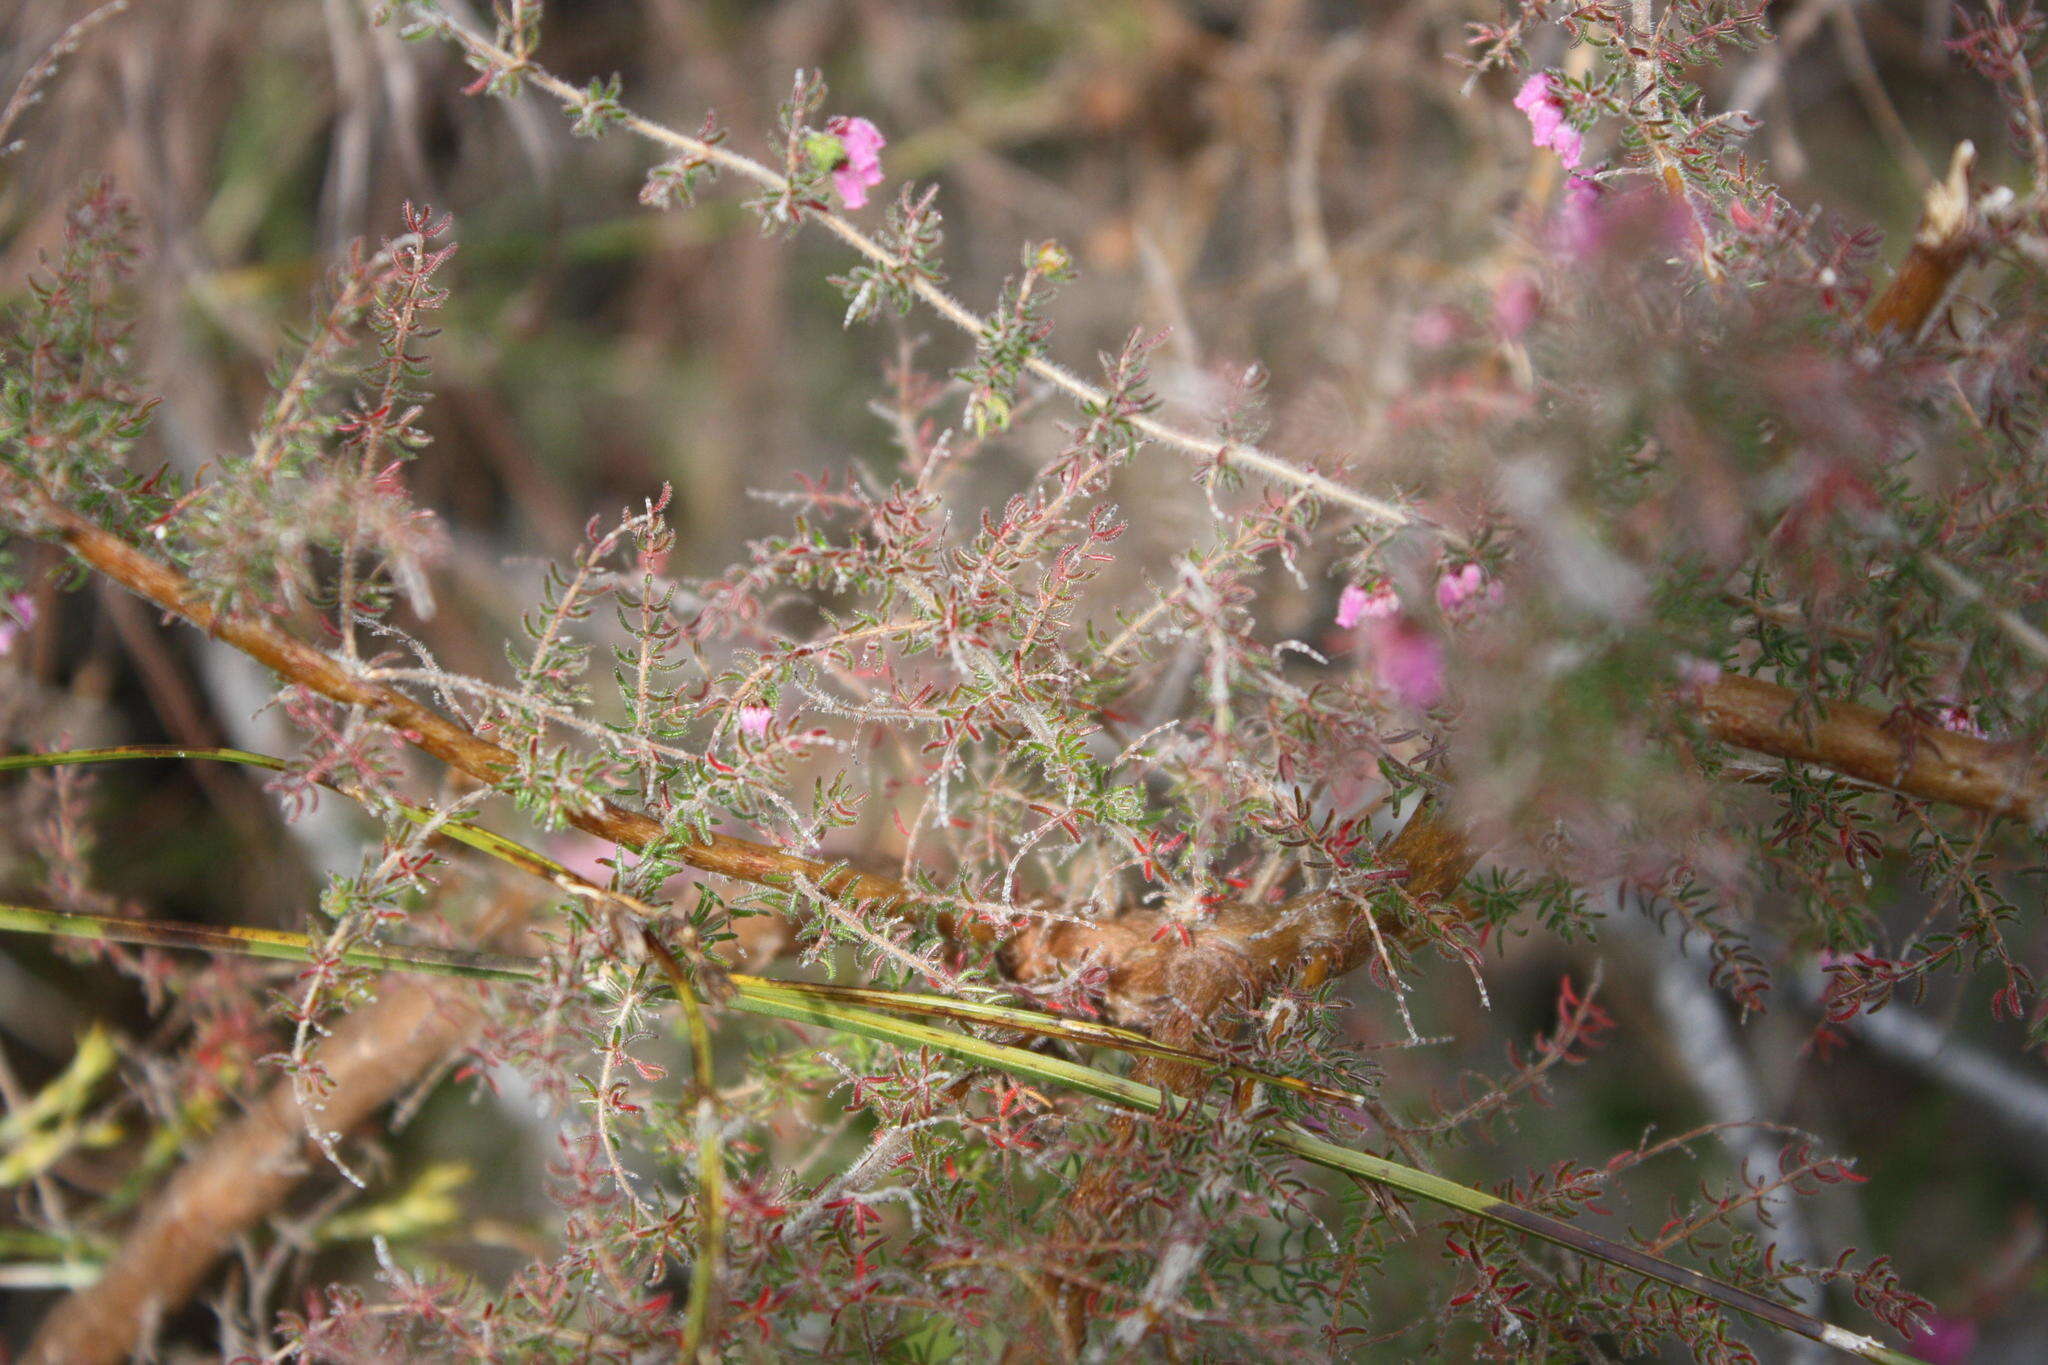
pixel 1246 457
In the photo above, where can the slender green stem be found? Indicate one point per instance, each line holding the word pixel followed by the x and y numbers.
pixel 805 1004
pixel 1082 1031
pixel 857 1010
pixel 67 757
pixel 270 943
pixel 775 998
pixel 710 1152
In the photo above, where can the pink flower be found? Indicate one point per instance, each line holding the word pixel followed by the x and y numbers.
pixel 1516 300
pixel 1547 126
pixel 1696 674
pixel 1943 1340
pixel 862 168
pixel 1355 604
pixel 754 720
pixel 1407 660
pixel 1584 220
pixel 585 855
pixel 1465 586
pixel 1593 219
pixel 1955 717
pixel 15 621
pixel 1436 328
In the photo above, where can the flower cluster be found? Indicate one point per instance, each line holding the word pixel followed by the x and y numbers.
pixel 1548 124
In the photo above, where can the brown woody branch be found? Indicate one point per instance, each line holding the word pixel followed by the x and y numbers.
pixel 1149 966
pixel 1173 985
pixel 1892 751
pixel 1155 979
pixel 1152 972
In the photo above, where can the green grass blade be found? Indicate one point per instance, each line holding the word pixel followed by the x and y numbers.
pixel 803 1003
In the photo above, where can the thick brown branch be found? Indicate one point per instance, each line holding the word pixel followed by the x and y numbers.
pixel 1857 741
pixel 247 1170
pixel 1151 971
pixel 1157 979
pixel 1148 963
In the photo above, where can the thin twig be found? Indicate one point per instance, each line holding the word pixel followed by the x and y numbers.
pixel 29 90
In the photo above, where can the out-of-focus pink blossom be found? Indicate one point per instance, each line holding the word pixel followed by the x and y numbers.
pixel 1435 328
pixel 1956 717
pixel 1547 126
pixel 1355 604
pixel 1594 219
pixel 754 720
pixel 1695 673
pixel 1515 301
pixel 585 855
pixel 1943 1340
pixel 1582 221
pixel 1465 586
pixel 1407 660
pixel 15 621
pixel 862 169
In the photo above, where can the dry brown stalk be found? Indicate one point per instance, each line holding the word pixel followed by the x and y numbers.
pixel 1942 245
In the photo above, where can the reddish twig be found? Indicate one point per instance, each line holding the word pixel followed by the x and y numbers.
pixel 425 728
